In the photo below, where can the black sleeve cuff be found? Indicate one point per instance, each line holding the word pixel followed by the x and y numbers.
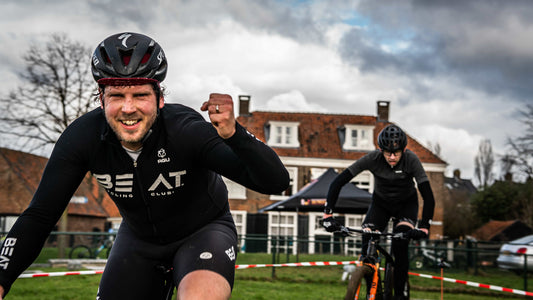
pixel 240 134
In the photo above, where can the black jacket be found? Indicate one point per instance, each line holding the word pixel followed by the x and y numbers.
pixel 171 190
pixel 393 185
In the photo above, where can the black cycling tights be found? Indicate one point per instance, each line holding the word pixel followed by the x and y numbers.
pixel 400 251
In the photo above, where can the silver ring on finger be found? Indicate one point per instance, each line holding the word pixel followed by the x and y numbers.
pixel 217 109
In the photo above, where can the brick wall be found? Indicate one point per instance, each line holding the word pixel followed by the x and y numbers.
pixel 436 179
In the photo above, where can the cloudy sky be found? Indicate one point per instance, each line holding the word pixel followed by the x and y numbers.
pixel 456 72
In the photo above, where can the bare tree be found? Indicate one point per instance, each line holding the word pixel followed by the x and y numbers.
pixel 484 162
pixel 56 89
pixel 507 164
pixel 521 148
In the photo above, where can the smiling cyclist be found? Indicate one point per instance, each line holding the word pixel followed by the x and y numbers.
pixel 161 165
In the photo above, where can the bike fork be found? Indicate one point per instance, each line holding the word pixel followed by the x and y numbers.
pixel 373 285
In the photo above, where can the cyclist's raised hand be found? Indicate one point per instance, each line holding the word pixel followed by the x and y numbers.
pixel 221 114
pixel 331 225
pixel 417 234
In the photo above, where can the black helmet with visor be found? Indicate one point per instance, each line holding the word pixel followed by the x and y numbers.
pixel 128 59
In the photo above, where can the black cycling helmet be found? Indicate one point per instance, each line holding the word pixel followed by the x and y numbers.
pixel 128 56
pixel 392 139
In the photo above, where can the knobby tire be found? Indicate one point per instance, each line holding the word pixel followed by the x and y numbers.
pixel 359 276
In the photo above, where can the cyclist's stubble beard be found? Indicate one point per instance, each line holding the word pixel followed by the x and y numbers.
pixel 132 141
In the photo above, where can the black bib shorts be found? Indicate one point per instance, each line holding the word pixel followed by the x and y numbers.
pixel 132 269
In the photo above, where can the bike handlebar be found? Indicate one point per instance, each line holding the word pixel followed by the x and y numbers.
pixel 395 235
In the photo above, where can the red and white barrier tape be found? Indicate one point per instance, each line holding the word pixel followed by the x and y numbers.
pixel 302 264
pixel 310 264
pixel 475 284
pixel 61 274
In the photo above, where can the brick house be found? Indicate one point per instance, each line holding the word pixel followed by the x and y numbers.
pixel 310 143
pixel 20 173
pixel 307 143
pixel 456 205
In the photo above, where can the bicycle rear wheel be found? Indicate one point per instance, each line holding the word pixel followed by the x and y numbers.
pixel 79 252
pixel 418 262
pixel 355 285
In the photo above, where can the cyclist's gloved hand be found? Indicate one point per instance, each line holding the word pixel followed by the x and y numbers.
pixel 416 234
pixel 331 225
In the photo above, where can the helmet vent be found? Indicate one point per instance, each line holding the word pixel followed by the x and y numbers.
pixel 146 58
pixel 126 57
pixel 103 53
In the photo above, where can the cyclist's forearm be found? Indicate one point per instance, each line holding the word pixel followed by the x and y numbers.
pixel 21 247
pixel 429 204
pixel 335 188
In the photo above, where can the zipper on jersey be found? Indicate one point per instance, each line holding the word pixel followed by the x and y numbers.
pixel 146 204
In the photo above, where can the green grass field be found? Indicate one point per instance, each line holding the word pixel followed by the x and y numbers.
pixel 288 283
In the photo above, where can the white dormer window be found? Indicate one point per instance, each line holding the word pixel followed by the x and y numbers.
pixel 283 134
pixel 359 137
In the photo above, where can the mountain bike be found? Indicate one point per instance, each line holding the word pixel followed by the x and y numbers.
pixel 425 257
pixel 101 250
pixel 368 270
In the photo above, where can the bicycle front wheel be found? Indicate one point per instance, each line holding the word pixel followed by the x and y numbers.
pixel 80 252
pixel 355 285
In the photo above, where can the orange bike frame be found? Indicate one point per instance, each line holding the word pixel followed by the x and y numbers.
pixel 374 284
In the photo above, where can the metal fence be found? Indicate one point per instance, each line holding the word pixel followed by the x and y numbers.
pixel 455 255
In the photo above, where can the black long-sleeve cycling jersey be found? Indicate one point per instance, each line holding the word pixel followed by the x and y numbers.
pixel 171 190
pixel 392 184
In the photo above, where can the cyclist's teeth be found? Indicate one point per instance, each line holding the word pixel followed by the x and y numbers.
pixel 130 122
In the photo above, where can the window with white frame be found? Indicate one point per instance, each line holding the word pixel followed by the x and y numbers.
pixel 283 134
pixel 283 229
pixel 235 190
pixel 363 181
pixel 354 221
pixel 292 189
pixel 353 243
pixel 358 137
pixel 317 222
pixel 239 217
pixel 317 172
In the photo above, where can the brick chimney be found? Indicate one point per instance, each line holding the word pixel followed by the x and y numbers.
pixel 244 105
pixel 383 111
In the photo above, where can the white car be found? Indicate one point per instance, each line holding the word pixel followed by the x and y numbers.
pixel 512 254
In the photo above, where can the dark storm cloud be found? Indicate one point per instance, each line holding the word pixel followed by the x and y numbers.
pixel 293 21
pixel 114 13
pixel 286 19
pixel 484 44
